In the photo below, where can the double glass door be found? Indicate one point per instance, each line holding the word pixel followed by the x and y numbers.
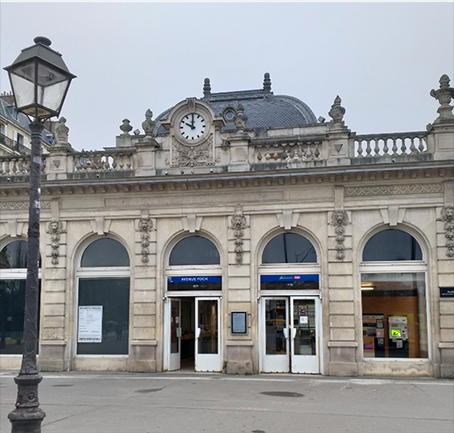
pixel 290 335
pixel 198 325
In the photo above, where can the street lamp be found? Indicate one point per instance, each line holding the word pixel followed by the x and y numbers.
pixel 39 81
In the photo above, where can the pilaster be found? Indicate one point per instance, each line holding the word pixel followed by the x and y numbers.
pixel 239 348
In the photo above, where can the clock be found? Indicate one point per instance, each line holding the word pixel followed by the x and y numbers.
pixel 192 126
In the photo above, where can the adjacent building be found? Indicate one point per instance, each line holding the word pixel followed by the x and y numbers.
pixel 239 233
pixel 15 135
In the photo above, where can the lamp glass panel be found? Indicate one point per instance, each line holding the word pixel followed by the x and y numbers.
pixel 52 96
pixel 48 75
pixel 23 91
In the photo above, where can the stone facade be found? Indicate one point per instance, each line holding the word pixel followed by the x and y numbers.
pixel 239 185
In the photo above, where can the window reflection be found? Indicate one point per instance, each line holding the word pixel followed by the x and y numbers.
pixel 104 253
pixel 289 248
pixel 13 257
pixel 194 250
pixel 392 245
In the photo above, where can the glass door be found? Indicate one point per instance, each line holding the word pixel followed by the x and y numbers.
pixel 175 335
pixel 274 342
pixel 207 341
pixel 304 335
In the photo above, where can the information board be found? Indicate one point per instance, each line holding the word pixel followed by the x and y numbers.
pixel 239 322
pixel 90 324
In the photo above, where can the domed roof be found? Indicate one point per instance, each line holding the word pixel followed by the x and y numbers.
pixel 262 107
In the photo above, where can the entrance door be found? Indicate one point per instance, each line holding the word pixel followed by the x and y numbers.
pixel 289 335
pixel 275 347
pixel 207 341
pixel 175 334
pixel 304 335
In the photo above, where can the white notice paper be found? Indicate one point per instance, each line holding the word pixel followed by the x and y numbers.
pixel 304 320
pixel 90 324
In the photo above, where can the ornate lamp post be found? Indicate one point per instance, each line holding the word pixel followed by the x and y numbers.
pixel 39 81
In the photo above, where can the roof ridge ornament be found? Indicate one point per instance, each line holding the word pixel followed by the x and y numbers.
pixel 207 88
pixel 267 84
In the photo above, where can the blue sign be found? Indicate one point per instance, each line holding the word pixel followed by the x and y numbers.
pixel 288 278
pixel 194 280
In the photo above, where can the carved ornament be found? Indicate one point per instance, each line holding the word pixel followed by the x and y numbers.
pixel 55 229
pixel 339 220
pixel 185 155
pixel 238 224
pixel 394 189
pixel 447 216
pixel 144 227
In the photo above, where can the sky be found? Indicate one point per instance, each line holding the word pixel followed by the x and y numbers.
pixel 382 58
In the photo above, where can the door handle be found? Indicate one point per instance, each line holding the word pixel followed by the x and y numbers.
pixel 285 331
pixel 293 333
pixel 197 333
pixel 178 332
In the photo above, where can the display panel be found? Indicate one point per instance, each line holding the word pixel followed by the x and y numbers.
pixel 238 322
pixel 394 315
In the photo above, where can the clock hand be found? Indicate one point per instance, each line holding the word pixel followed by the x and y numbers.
pixel 192 122
pixel 191 126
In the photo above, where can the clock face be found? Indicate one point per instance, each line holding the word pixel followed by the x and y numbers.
pixel 192 126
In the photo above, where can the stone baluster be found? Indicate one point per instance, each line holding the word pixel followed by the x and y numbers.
pixel 376 148
pixel 394 148
pixel 368 148
pixel 385 146
pixel 421 144
pixel 360 147
pixel 404 146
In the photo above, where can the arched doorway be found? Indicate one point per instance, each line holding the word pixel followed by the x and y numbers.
pixel 192 328
pixel 289 306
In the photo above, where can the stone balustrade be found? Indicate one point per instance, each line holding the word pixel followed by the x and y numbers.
pixel 18 165
pixel 101 161
pixel 377 145
pixel 266 154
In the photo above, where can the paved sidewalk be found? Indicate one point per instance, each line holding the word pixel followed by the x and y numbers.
pixel 77 402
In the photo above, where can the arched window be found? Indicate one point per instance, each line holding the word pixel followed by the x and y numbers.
pixel 104 253
pixel 13 273
pixel 289 248
pixel 392 245
pixel 393 294
pixel 194 250
pixel 103 301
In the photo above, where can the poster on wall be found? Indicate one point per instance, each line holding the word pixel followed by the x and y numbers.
pixel 90 324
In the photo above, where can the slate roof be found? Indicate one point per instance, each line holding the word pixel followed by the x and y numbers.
pixel 9 112
pixel 263 109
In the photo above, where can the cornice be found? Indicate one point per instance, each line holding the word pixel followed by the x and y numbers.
pixel 351 176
